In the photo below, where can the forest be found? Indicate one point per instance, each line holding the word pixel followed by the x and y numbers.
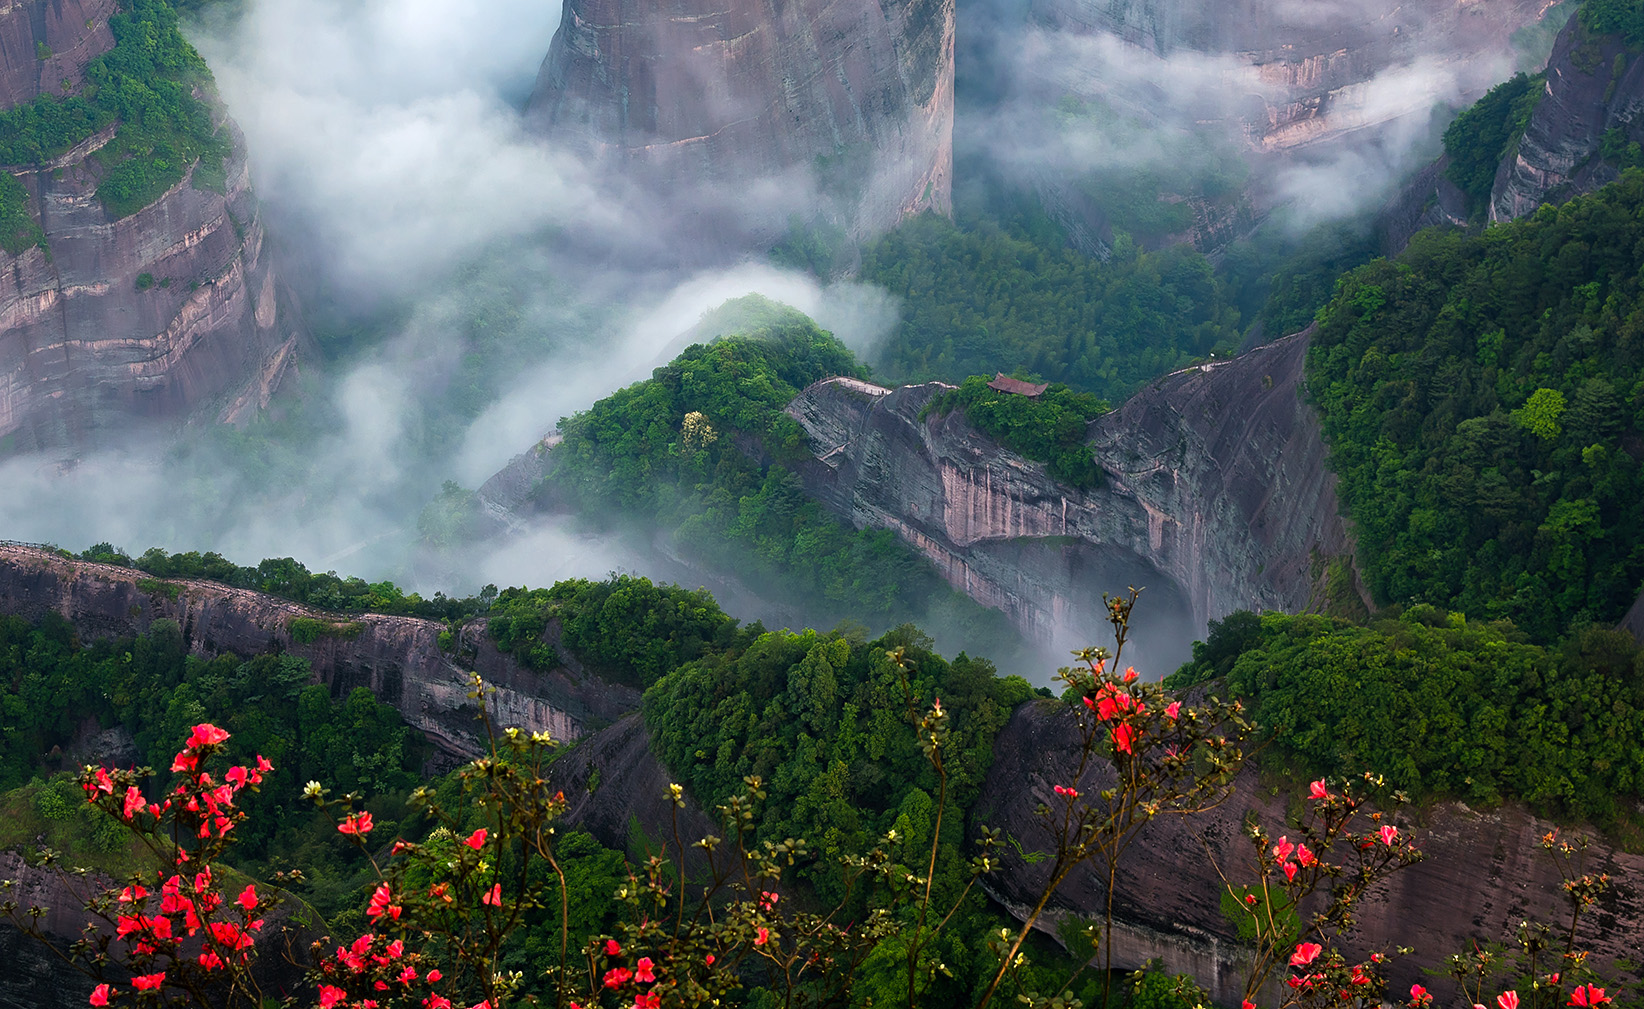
pixel 1482 402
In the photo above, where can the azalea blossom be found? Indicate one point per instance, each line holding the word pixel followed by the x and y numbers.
pixel 1507 1000
pixel 1389 834
pixel 476 840
pixel 1587 995
pixel 206 734
pixel 1066 791
pixel 356 823
pixel 645 973
pixel 1123 736
pixel 764 935
pixel 613 948
pixel 148 982
pixel 248 898
pixel 616 977
pixel 493 896
pixel 1173 710
pixel 1306 952
pixel 1419 996
pixel 99 994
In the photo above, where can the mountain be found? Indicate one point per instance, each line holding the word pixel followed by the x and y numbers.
pixel 135 280
pixel 753 112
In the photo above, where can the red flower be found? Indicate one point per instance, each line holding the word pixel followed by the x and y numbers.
pixel 211 961
pixel 1305 857
pixel 330 995
pixel 644 974
pixel 185 762
pixel 616 977
pixel 99 995
pixel 1319 791
pixel 1123 735
pixel 1247 1004
pixel 1389 834
pixel 1587 995
pixel 407 975
pixel 612 948
pixel 493 896
pixel 1174 710
pixel 476 840
pixel 1069 792
pixel 1305 953
pixel 263 765
pixel 237 777
pixel 763 937
pixel 248 898
pixel 1507 1000
pixel 1289 870
pixel 148 982
pixel 648 1000
pixel 1130 674
pixel 134 801
pixel 1419 996
pixel 382 902
pixel 1282 850
pixel 356 823
pixel 206 734
pixel 437 1002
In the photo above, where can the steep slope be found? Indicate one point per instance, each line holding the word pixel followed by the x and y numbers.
pixel 752 111
pixel 152 312
pixel 1214 494
pixel 1576 139
pixel 1483 872
pixel 1315 74
pixel 399 658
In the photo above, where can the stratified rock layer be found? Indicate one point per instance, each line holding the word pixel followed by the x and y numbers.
pixel 1594 84
pixel 1213 478
pixel 1483 872
pixel 398 658
pixel 83 347
pixel 759 107
pixel 1314 67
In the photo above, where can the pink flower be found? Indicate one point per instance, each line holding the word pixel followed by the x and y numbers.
pixel 763 937
pixel 493 896
pixel 1306 952
pixel 1389 834
pixel 1319 791
pixel 134 801
pixel 645 974
pixel 648 1000
pixel 1507 1000
pixel 1282 850
pixel 616 977
pixel 1306 857
pixel 99 995
pixel 437 1002
pixel 356 823
pixel 1069 792
pixel 1289 870
pixel 1589 996
pixel 148 982
pixel 206 734
pixel 1174 710
pixel 185 762
pixel 613 948
pixel 1419 996
pixel 476 840
pixel 237 776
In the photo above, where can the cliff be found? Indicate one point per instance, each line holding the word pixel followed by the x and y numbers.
pixel 155 315
pixel 750 111
pixel 1214 494
pixel 398 658
pixel 1483 872
pixel 1595 84
pixel 1314 76
pixel 1426 201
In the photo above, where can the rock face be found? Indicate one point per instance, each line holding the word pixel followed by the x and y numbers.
pixel 1594 84
pixel 83 347
pixel 398 658
pixel 1428 200
pixel 749 105
pixel 1483 872
pixel 1215 493
pixel 1312 68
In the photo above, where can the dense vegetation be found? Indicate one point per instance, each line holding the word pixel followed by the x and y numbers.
pixel 1444 706
pixel 146 83
pixel 981 299
pixel 701 451
pixel 1483 403
pixel 17 228
pixel 1483 135
pixel 1615 17
pixel 52 684
pixel 1049 427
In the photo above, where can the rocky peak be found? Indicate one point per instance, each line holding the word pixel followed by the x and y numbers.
pixel 1214 494
pixel 1595 85
pixel 154 314
pixel 744 105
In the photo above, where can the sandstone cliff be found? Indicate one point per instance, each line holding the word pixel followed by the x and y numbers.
pixel 1483 872
pixel 1214 494
pixel 155 315
pixel 1314 70
pixel 398 658
pixel 752 111
pixel 1595 84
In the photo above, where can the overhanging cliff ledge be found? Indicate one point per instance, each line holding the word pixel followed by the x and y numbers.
pixel 1214 489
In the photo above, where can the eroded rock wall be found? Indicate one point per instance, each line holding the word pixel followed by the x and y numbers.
pixel 398 658
pixel 1594 84
pixel 83 347
pixel 760 110
pixel 1213 478
pixel 1483 872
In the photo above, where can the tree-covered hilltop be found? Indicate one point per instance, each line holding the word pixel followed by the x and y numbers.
pixel 1444 706
pixel 1049 427
pixel 1483 403
pixel 1488 131
pixel 981 298
pixel 702 452
pixel 147 85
